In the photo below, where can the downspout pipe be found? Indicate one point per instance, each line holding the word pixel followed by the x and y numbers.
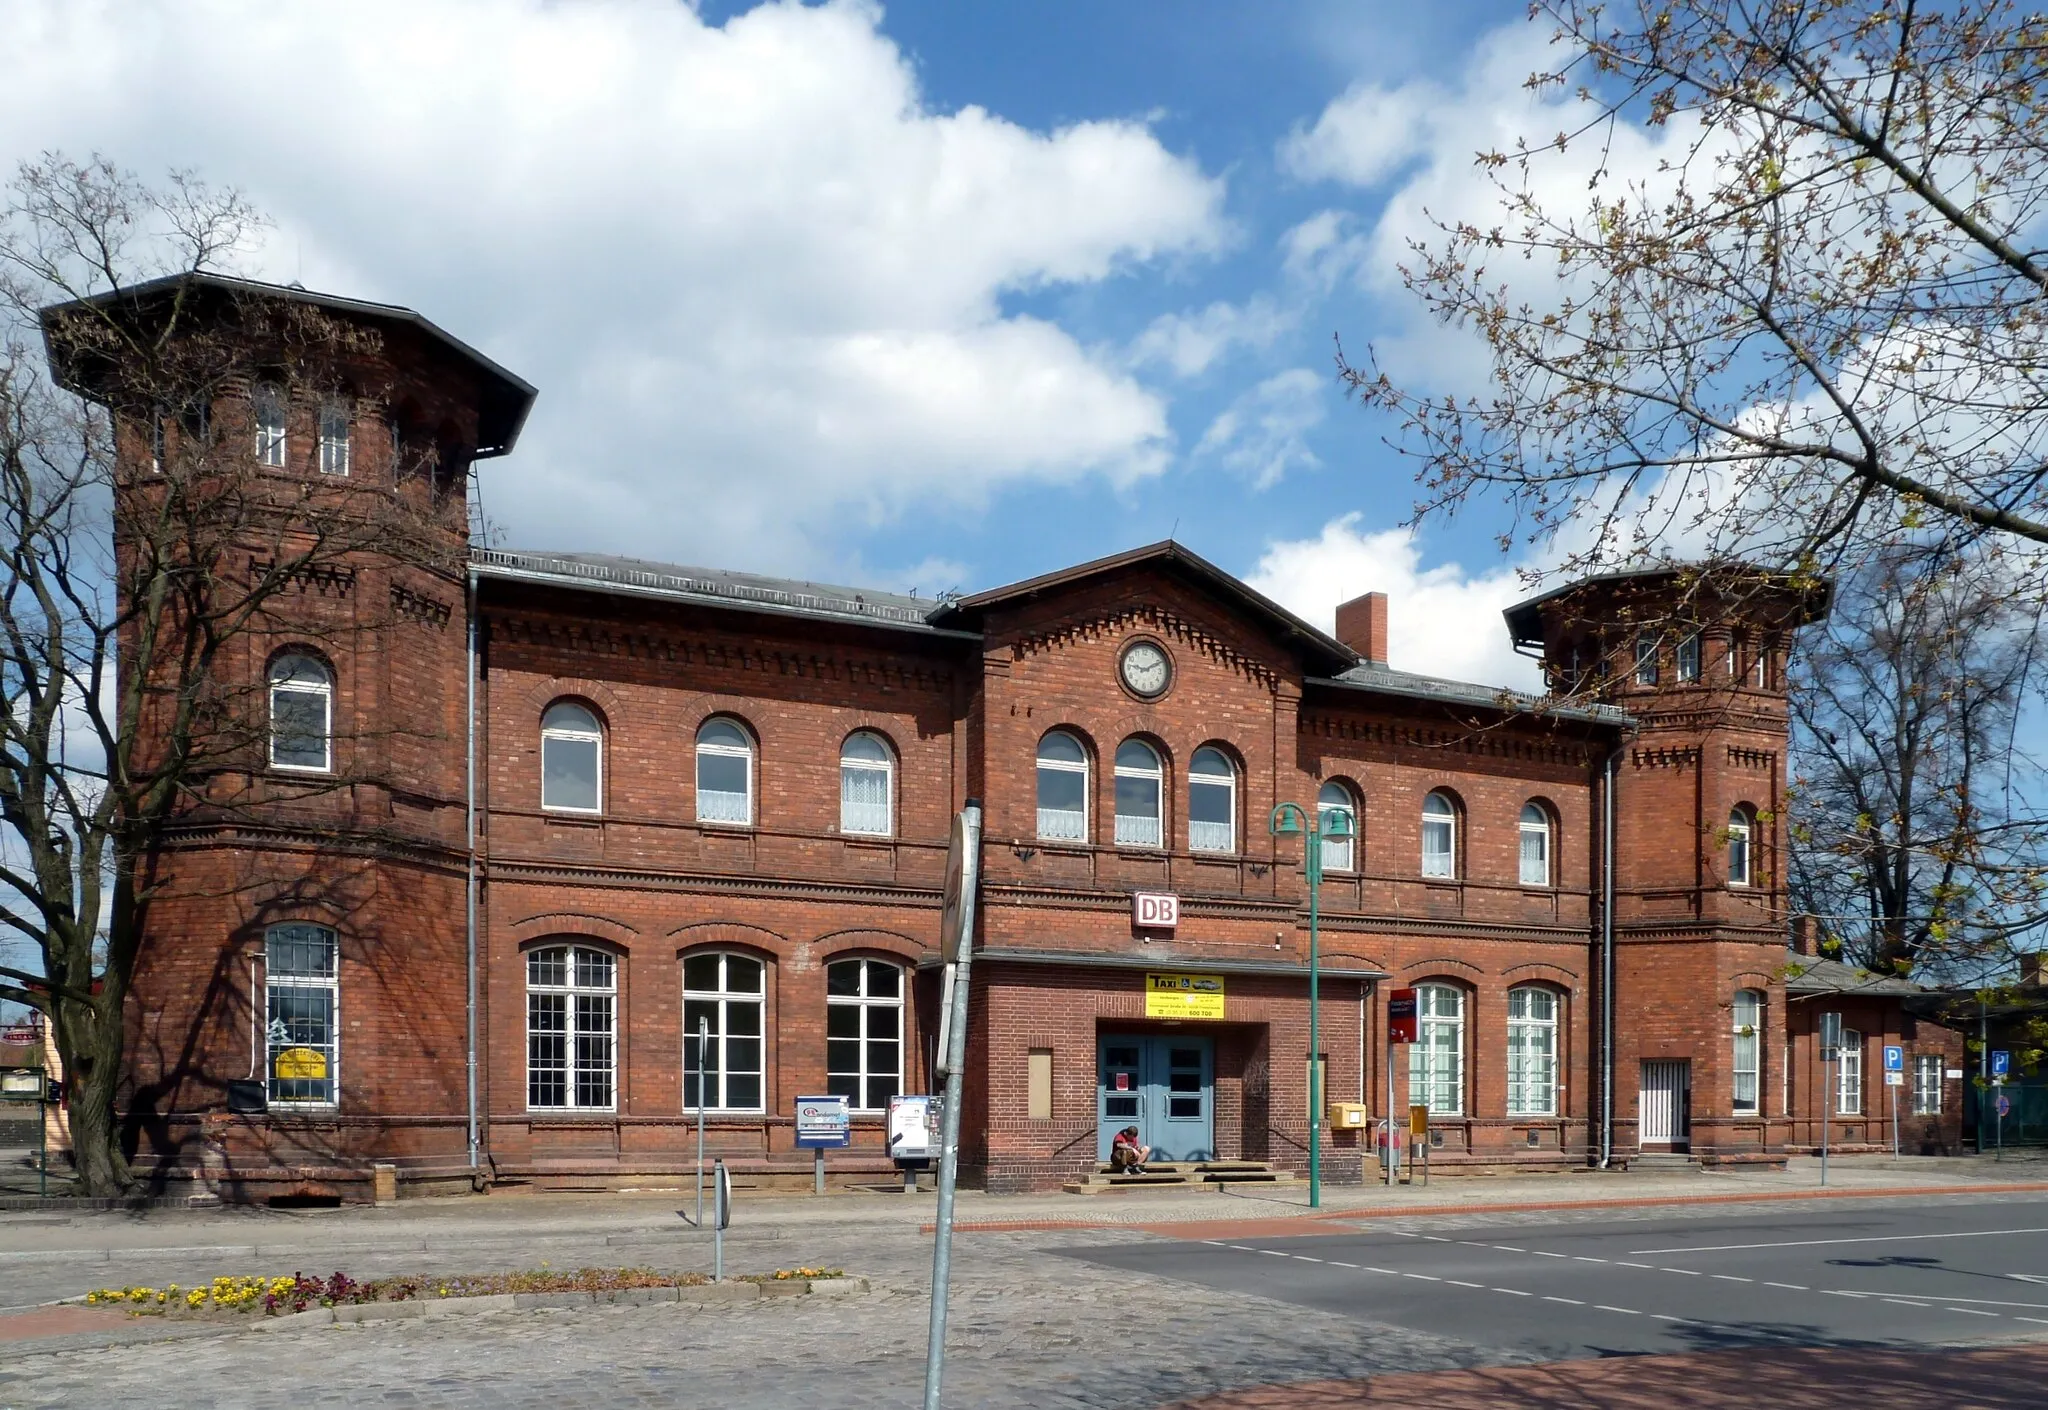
pixel 469 829
pixel 1607 959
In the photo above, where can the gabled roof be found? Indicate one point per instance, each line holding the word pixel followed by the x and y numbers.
pixel 506 397
pixel 1321 652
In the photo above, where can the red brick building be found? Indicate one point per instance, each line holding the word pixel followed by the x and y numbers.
pixel 593 803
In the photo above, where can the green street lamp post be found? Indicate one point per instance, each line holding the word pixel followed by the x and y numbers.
pixel 1289 818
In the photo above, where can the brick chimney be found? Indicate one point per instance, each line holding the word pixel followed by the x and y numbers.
pixel 1362 626
pixel 2034 969
pixel 1806 935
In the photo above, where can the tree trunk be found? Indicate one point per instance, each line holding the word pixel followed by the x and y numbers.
pixel 89 1041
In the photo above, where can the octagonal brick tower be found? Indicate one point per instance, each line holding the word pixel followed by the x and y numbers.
pixel 1697 656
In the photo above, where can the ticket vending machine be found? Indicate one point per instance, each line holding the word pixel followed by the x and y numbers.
pixel 914 1134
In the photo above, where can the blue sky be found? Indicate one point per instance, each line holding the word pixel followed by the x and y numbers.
pixel 926 295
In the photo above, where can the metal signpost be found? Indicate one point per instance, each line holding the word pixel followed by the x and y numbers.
pixel 2001 1068
pixel 721 1200
pixel 1292 818
pixel 1830 1054
pixel 1401 1026
pixel 703 1037
pixel 956 944
pixel 1894 1078
pixel 822 1124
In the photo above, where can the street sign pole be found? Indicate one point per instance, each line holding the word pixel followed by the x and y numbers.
pixel 1388 1152
pixel 1288 818
pixel 703 1037
pixel 1830 1054
pixel 957 936
pixel 1894 1078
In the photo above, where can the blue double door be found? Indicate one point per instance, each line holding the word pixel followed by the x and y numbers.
pixel 1163 1084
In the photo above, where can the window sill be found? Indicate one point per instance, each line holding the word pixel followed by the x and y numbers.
pixel 572 1112
pixel 578 819
pixel 710 826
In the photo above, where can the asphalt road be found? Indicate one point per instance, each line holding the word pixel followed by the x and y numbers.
pixel 1894 1274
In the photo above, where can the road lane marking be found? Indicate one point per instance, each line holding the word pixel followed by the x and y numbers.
pixel 1423 1277
pixel 1624 1311
pixel 1568 1301
pixel 1436 1238
pixel 2038 1321
pixel 1461 1283
pixel 1667 1317
pixel 1581 1258
pixel 1513 1292
pixel 1901 1302
pixel 1970 1311
pixel 1505 1249
pixel 1788 1287
pixel 1872 1239
pixel 1386 1271
pixel 1541 1254
pixel 1689 1272
pixel 1306 1259
pixel 1336 1264
pixel 1272 1253
pixel 1731 1278
pixel 1644 1266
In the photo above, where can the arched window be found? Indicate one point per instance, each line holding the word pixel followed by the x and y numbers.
pixel 1439 836
pixel 1747 1020
pixel 1062 788
pixel 571 1028
pixel 302 1014
pixel 864 1032
pixel 725 774
pixel 334 424
pixel 571 759
pixel 1535 845
pixel 1212 802
pixel 723 994
pixel 1740 862
pixel 1339 853
pixel 1646 658
pixel 1140 779
pixel 301 714
pixel 267 406
pixel 1436 1060
pixel 866 774
pixel 1532 1051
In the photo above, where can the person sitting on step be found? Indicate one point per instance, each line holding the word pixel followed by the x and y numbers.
pixel 1126 1155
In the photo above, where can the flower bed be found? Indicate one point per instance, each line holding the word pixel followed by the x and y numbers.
pixel 295 1292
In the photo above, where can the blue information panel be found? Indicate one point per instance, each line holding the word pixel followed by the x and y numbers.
pixel 2001 1063
pixel 1894 1058
pixel 823 1123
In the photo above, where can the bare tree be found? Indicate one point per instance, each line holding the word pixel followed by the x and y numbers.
pixel 1917 820
pixel 150 556
pixel 1817 322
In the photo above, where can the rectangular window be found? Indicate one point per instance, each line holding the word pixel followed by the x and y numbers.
pixel 1646 659
pixel 1748 1018
pixel 1849 1075
pixel 1927 1084
pixel 334 438
pixel 1436 1060
pixel 1439 847
pixel 1536 853
pixel 300 964
pixel 571 1004
pixel 268 404
pixel 1689 658
pixel 1532 1052
pixel 1038 1084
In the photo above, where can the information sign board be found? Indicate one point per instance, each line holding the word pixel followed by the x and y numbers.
pixel 1153 910
pixel 1894 1058
pixel 1401 1015
pixel 2001 1063
pixel 823 1123
pixel 1183 996
pixel 1895 1079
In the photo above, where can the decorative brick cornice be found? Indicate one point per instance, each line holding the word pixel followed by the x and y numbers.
pixel 1486 743
pixel 533 871
pixel 1745 758
pixel 1164 621
pixel 1672 756
pixel 419 607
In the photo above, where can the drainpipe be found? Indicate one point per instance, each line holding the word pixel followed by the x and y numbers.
pixel 469 827
pixel 1607 961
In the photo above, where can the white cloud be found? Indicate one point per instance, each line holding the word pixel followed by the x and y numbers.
pixel 756 278
pixel 1263 434
pixel 1189 343
pixel 1441 621
pixel 1364 136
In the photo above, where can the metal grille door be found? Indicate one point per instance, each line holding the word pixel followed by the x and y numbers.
pixel 1663 1102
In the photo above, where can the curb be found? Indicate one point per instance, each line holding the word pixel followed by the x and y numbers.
pixel 699 1295
pixel 1006 1226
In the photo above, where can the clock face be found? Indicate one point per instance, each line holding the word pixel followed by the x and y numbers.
pixel 1146 669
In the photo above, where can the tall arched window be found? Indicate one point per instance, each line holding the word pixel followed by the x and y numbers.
pixel 864 1032
pixel 1532 1051
pixel 866 776
pixel 1333 800
pixel 1436 1060
pixel 301 1015
pixel 1140 779
pixel 1062 788
pixel 571 759
pixel 1747 1020
pixel 301 714
pixel 1535 845
pixel 725 774
pixel 1741 864
pixel 1212 802
pixel 571 1028
pixel 267 406
pixel 1439 836
pixel 1646 658
pixel 1849 1075
pixel 724 995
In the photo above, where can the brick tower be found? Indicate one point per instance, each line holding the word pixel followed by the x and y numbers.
pixel 320 867
pixel 1697 657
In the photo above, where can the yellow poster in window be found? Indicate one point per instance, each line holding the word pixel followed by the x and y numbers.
pixel 302 1064
pixel 1183 996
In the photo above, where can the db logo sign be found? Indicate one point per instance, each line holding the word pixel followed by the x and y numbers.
pixel 1151 911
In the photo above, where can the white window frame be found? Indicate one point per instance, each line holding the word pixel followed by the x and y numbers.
pixel 1688 659
pixel 1746 1038
pixel 1062 824
pixel 1534 825
pixel 275 1042
pixel 571 734
pixel 1206 839
pixel 270 413
pixel 335 412
pixel 292 683
pixel 721 750
pixel 1646 658
pixel 1849 1074
pixel 1927 1080
pixel 1741 848
pixel 1436 1059
pixel 1532 1050
pixel 1141 831
pixel 1340 854
pixel 580 1000
pixel 1445 825
pixel 865 1006
pixel 726 998
pixel 853 818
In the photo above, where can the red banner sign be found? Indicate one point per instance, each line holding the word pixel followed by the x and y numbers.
pixel 1401 1015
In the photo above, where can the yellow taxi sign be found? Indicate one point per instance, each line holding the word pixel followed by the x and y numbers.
pixel 1183 996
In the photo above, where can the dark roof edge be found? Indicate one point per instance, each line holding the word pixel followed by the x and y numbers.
pixel 1507 702
pixel 1524 618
